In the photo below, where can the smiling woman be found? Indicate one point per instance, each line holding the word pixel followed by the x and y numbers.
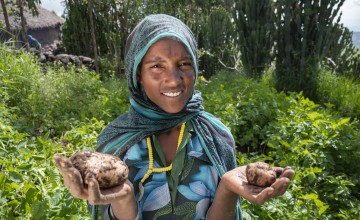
pixel 181 159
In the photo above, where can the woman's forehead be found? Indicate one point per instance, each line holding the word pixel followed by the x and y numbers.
pixel 168 46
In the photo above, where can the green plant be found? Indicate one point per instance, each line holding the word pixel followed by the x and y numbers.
pixel 54 98
pixel 305 31
pixel 255 27
pixel 30 184
pixel 319 143
pixel 340 93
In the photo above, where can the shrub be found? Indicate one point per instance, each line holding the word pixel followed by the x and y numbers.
pixel 53 98
pixel 340 93
pixel 320 144
pixel 31 184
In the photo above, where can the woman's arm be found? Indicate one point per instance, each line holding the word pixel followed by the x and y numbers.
pixel 224 204
pixel 126 207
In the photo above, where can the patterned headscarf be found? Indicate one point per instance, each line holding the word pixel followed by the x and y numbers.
pixel 144 118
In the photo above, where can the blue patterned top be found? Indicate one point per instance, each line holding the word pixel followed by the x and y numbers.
pixel 185 192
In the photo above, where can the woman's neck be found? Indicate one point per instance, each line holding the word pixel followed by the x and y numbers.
pixel 168 142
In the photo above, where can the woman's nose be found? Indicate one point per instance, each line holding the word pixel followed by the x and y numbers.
pixel 173 75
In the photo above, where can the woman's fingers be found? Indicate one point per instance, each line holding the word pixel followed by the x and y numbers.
pixel 95 196
pixel 62 163
pixel 106 196
pixel 72 177
pixel 288 173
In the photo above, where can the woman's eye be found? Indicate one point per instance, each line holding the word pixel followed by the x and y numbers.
pixel 156 66
pixel 186 66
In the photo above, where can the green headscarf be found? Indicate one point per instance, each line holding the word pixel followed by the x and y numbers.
pixel 144 118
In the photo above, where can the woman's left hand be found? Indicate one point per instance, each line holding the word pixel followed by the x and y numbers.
pixel 236 182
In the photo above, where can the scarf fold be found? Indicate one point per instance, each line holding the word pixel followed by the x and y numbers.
pixel 140 122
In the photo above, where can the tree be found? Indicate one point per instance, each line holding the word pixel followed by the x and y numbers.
pixel 114 19
pixel 218 41
pixel 342 56
pixel 20 4
pixel 6 18
pixel 305 30
pixel 254 22
pixel 92 31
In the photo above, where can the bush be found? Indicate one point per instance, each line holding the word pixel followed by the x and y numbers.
pixel 53 99
pixel 31 184
pixel 340 93
pixel 320 144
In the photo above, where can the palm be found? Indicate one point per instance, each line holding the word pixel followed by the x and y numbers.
pixel 73 181
pixel 236 182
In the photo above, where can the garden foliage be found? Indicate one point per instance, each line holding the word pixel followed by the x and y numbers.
pixel 47 111
pixel 289 130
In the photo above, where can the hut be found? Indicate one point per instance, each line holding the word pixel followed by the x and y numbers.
pixel 46 27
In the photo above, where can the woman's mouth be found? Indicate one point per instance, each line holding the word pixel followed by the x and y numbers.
pixel 172 94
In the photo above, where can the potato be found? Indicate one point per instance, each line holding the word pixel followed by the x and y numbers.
pixel 260 174
pixel 107 169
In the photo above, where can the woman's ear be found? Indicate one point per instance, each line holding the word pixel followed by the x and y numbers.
pixel 138 79
pixel 138 74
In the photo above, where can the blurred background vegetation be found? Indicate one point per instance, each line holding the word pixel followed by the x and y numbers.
pixel 282 75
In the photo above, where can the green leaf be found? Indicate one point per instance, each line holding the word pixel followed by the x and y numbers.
pixel 318 203
pixel 310 196
pixel 13 203
pixel 284 143
pixel 38 209
pixel 26 166
pixel 15 176
pixel 2 178
pixel 323 209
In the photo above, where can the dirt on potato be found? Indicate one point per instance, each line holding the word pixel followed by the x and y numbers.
pixel 107 169
pixel 261 174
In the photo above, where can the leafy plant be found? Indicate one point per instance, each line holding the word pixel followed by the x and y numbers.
pixel 30 184
pixel 289 130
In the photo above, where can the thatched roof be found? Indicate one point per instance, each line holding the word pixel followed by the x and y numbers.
pixel 45 19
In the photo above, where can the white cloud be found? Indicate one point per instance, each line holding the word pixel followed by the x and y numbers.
pixel 53 5
pixel 351 14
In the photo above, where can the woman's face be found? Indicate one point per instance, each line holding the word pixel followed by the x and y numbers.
pixel 167 75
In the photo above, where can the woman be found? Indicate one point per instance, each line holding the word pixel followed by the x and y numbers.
pixel 195 175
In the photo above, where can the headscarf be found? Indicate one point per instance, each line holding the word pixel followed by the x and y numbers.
pixel 144 118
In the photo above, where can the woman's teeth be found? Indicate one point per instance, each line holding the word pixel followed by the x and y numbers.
pixel 172 94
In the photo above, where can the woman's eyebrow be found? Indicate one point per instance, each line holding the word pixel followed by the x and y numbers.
pixel 160 59
pixel 153 60
pixel 186 56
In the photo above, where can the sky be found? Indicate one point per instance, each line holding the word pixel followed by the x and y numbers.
pixel 350 17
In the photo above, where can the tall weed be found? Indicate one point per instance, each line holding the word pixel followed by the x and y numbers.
pixel 340 93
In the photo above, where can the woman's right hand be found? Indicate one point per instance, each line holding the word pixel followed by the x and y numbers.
pixel 96 196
